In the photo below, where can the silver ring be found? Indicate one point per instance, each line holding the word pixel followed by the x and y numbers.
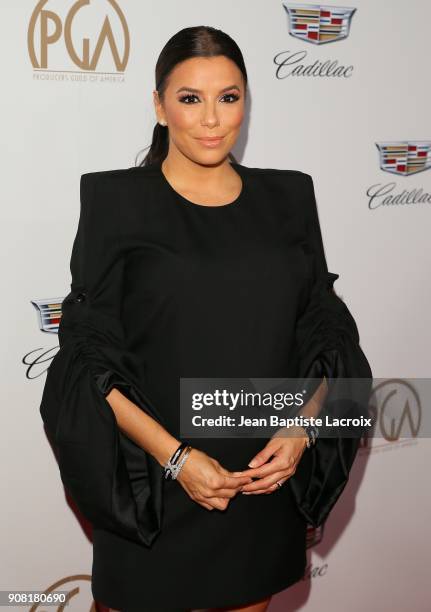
pixel 279 484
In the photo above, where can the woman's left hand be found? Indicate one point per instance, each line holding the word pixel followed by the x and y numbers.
pixel 286 448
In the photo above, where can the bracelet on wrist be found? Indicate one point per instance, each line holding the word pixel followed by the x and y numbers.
pixel 173 466
pixel 312 432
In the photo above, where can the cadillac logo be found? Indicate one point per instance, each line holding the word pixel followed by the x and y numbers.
pixel 405 157
pixel 49 314
pixel 318 23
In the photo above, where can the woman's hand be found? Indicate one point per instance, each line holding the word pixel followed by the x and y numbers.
pixel 207 482
pixel 286 450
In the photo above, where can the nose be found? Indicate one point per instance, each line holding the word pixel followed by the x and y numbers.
pixel 209 114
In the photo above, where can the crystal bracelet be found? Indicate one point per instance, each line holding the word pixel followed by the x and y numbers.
pixel 171 469
pixel 173 460
pixel 177 468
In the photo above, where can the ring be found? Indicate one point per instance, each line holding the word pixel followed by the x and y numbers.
pixel 279 484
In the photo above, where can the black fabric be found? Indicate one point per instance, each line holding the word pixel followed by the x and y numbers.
pixel 163 288
pixel 328 343
pixel 115 483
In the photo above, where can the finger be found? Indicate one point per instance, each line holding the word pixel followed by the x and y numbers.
pixel 211 491
pixel 218 503
pixel 221 493
pixel 263 456
pixel 269 468
pixel 205 505
pixel 272 489
pixel 267 491
pixel 231 475
pixel 233 482
pixel 265 483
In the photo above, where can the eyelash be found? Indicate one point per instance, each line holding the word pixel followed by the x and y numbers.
pixel 233 95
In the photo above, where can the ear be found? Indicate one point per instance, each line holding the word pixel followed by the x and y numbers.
pixel 158 105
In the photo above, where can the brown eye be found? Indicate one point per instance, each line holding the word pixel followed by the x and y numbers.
pixel 184 99
pixel 234 97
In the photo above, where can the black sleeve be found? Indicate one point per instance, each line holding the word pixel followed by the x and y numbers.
pixel 114 482
pixel 328 346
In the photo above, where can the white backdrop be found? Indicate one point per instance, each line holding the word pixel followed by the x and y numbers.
pixel 62 119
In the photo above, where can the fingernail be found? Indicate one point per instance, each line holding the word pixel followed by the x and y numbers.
pixel 252 463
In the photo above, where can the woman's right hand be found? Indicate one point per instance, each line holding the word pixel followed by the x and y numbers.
pixel 207 482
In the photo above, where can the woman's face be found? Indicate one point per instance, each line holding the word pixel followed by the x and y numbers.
pixel 204 98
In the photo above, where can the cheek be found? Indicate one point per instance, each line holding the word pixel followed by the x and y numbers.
pixel 234 117
pixel 181 118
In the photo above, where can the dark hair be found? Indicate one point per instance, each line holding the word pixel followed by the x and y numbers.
pixel 197 41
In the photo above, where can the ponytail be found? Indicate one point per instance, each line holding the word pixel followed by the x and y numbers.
pixel 159 146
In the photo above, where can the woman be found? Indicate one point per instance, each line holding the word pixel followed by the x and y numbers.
pixel 192 266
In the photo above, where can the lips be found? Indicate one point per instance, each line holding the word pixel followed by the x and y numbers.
pixel 211 138
pixel 212 141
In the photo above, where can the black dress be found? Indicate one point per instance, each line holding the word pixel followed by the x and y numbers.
pixel 164 288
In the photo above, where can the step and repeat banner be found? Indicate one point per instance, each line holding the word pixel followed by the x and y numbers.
pixel 339 92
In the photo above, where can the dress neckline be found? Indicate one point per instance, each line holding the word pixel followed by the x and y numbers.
pixel 233 204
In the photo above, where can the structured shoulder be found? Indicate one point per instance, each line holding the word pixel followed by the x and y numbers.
pixel 94 176
pixel 110 185
pixel 120 173
pixel 277 172
pixel 280 178
pixel 114 198
pixel 152 170
pixel 100 194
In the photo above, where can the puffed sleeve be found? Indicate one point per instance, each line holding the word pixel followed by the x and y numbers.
pixel 328 346
pixel 114 482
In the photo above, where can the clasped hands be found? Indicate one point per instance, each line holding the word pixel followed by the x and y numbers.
pixel 286 448
pixel 208 483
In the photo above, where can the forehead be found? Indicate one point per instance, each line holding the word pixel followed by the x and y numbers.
pixel 206 73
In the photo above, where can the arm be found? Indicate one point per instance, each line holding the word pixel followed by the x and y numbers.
pixel 142 428
pixel 327 341
pixel 116 483
pixel 313 406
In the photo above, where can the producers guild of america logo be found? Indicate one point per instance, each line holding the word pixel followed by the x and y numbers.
pixel 317 24
pixel 87 37
pixel 397 405
pixel 403 158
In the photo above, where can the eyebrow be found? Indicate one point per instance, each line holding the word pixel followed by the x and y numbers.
pixel 199 91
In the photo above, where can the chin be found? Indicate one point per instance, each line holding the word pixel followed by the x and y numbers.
pixel 209 157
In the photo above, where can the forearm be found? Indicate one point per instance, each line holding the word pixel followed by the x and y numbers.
pixel 142 428
pixel 312 408
pixel 314 405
